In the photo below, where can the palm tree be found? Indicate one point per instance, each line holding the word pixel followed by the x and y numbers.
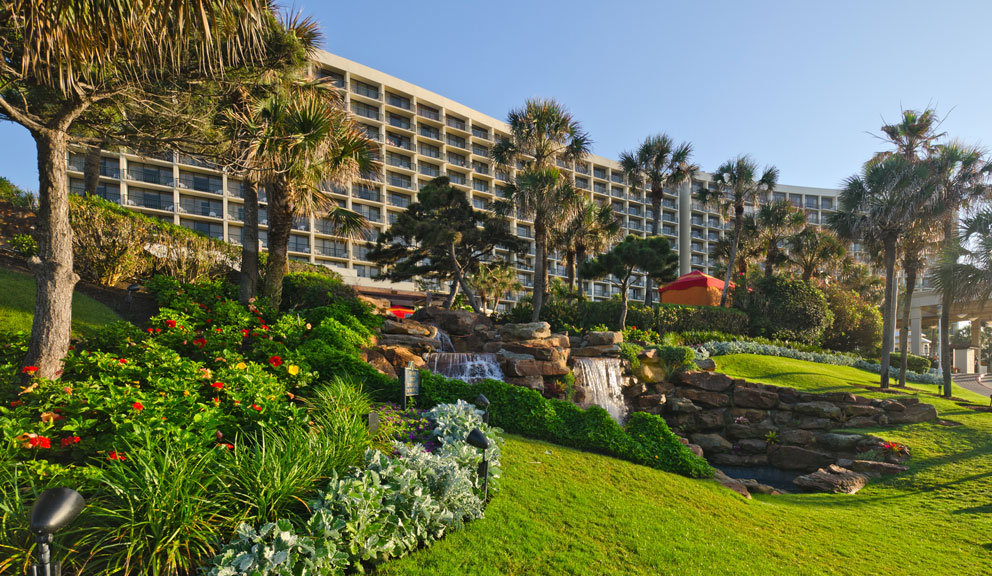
pixel 658 163
pixel 493 282
pixel 859 278
pixel 960 177
pixel 737 186
pixel 875 208
pixel 914 136
pixel 542 133
pixel 311 143
pixel 593 228
pixel 915 241
pixel 776 222
pixel 62 60
pixel 813 251
pixel 749 249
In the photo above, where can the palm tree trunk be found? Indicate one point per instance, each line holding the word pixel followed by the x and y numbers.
pixel 887 316
pixel 946 299
pixel 280 225
pixel 624 287
pixel 570 269
pixel 770 257
pixel 656 213
pixel 540 265
pixel 52 266
pixel 580 257
pixel 249 243
pixel 904 332
pixel 738 222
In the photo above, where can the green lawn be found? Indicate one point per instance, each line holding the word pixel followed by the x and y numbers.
pixel 17 305
pixel 562 511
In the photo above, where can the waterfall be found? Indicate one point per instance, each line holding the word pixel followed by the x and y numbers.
pixel 601 382
pixel 469 367
pixel 446 345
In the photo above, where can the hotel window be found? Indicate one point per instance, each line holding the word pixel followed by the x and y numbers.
pixel 428 169
pixel 371 131
pixel 371 213
pixel 480 167
pixel 480 150
pixel 332 248
pixel 299 243
pixel 812 202
pixel 399 160
pixel 361 251
pixel 457 178
pixel 582 183
pixel 206 228
pixel 367 90
pixel 480 185
pixel 617 177
pixel 335 78
pixel 364 271
pixel 429 132
pixel 401 180
pixel 796 199
pixel 456 141
pixel 150 173
pixel 201 206
pixel 365 110
pixel 398 101
pixel 149 199
pixel 480 203
pixel 366 193
pixel 778 196
pixel 428 112
pixel 398 141
pixel 599 173
pixel 827 203
pixel 401 200
pixel 399 121
pixel 456 159
pixel 431 151
pixel 457 123
pixel 480 132
pixel 523 231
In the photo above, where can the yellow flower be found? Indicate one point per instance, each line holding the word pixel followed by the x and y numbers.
pixel 293 369
pixel 185 392
pixel 241 366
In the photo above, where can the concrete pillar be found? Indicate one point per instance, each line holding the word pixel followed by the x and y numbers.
pixel 976 333
pixel 685 228
pixel 916 331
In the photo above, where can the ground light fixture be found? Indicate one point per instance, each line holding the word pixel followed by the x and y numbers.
pixel 477 439
pixel 55 509
pixel 483 403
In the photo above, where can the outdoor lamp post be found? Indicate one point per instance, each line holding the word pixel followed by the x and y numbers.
pixel 483 403
pixel 129 299
pixel 477 439
pixel 55 509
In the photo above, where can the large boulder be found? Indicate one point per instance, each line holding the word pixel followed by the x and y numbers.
pixel 872 468
pixel 526 331
pixel 832 479
pixel 819 409
pixel 454 322
pixel 704 397
pixel 533 382
pixel 378 361
pixel 609 350
pixel 650 373
pixel 419 344
pixel 536 368
pixel 408 328
pixel 797 458
pixel 839 442
pixel 400 357
pixel 754 398
pixel 736 485
pixel 712 381
pixel 603 338
pixel 711 443
pixel 539 349
pixel 913 414
pixel 706 364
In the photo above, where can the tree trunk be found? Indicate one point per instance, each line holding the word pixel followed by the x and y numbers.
pixel 808 273
pixel 904 333
pixel 624 286
pixel 452 294
pixel 280 225
pixel 91 170
pixel 460 278
pixel 946 299
pixel 570 269
pixel 738 222
pixel 890 266
pixel 249 243
pixel 770 257
pixel 580 257
pixel 540 266
pixel 52 266
pixel 656 213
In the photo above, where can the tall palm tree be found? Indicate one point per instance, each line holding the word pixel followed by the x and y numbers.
pixel 813 251
pixel 658 163
pixel 914 136
pixel 311 143
pixel 914 244
pixel 749 249
pixel 874 208
pixel 593 228
pixel 737 185
pixel 775 223
pixel 542 133
pixel 960 177
pixel 60 61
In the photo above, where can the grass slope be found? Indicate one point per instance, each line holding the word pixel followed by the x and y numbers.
pixel 17 305
pixel 563 511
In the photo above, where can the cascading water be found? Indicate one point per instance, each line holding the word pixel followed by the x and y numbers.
pixel 446 345
pixel 465 366
pixel 601 382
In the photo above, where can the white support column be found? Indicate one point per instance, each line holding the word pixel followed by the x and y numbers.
pixel 916 331
pixel 685 228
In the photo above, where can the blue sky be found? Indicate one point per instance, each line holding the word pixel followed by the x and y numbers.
pixel 801 85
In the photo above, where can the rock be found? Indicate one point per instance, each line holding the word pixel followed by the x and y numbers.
pixel 695 449
pixel 797 458
pixel 811 423
pixel 711 381
pixel 648 355
pixel 710 419
pixel 736 459
pixel 408 328
pixel 650 373
pixel 681 406
pixel 753 446
pixel 635 389
pixel 704 397
pixel 533 382
pixel 664 387
pixel 819 409
pixel 796 437
pixel 839 397
pixel 783 418
pixel 875 469
pixel 754 430
pixel 858 410
pixel 754 398
pixel 536 368
pixel 832 479
pixel 378 361
pixel 454 322
pixel 419 344
pixel 381 305
pixel 865 422
pixel 400 356
pixel 706 364
pixel 611 350
pixel 732 484
pixel 539 349
pixel 527 331
pixel 913 414
pixel 893 406
pixel 755 487
pixel 603 338
pixel 749 415
pixel 507 356
pixel 648 401
pixel 711 443
pixel 839 442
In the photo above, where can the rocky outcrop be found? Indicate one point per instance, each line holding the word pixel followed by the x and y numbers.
pixel 453 322
pixel 832 479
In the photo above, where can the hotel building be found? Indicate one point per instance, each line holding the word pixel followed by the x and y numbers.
pixel 422 135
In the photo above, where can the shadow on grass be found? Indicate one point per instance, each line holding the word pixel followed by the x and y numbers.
pixel 984 509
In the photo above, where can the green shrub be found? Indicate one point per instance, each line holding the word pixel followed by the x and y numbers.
pixel 108 242
pixel 24 245
pixel 679 318
pixel 524 411
pixel 676 359
pixel 915 363
pixel 857 325
pixel 10 192
pixel 785 309
pixel 629 352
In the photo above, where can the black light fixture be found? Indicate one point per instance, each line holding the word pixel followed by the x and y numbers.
pixel 483 403
pixel 477 439
pixel 130 294
pixel 55 509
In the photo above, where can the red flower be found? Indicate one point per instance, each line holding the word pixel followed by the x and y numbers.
pixel 256 407
pixel 138 406
pixel 216 329
pixel 40 442
pixel 264 327
pixel 150 330
pixel 201 342
pixel 170 323
pixel 157 330
pixel 217 385
pixel 236 402
pixel 115 456
pixel 123 360
pixel 244 331
pixel 227 445
pixel 70 440
pixel 275 361
pixel 16 403
pixel 29 370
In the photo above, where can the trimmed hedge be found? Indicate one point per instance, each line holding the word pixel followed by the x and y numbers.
pixel 913 362
pixel 784 309
pixel 646 440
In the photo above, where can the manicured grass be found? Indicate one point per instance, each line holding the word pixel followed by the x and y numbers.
pixel 562 511
pixel 17 305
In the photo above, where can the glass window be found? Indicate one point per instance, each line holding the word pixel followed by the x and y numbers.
pixel 367 90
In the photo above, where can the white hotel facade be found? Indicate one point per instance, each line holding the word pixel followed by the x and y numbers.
pixel 422 135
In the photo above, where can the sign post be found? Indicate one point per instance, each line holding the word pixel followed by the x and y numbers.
pixel 411 382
